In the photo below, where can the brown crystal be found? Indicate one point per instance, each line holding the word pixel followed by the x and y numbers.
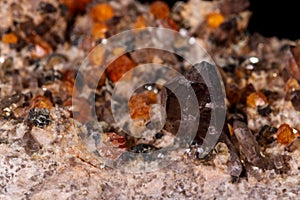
pixel 232 93
pixel 295 99
pixel 172 106
pixel 292 62
pixel 247 141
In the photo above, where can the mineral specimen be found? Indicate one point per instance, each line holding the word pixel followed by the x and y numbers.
pixel 46 134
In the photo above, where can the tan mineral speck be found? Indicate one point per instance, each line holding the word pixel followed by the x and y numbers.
pixel 43 136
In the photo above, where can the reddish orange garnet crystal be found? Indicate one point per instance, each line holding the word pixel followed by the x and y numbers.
pixel 256 99
pixel 99 30
pixel 285 134
pixel 140 22
pixel 10 38
pixel 102 12
pixel 214 20
pixel 139 105
pixel 119 67
pixel 159 9
pixel 41 102
pixel 76 5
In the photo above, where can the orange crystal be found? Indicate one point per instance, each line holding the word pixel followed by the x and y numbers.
pixel 291 85
pixel 76 5
pixel 102 12
pixel 256 99
pixel 159 9
pixel 10 38
pixel 214 20
pixel 41 102
pixel 139 105
pixel 285 134
pixel 140 22
pixel 230 129
pixel 119 67
pixel 140 112
pixel 99 30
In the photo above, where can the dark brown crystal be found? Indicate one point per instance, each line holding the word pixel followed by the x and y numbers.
pixel 295 99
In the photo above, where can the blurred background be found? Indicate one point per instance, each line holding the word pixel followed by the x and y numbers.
pixel 270 18
pixel 275 18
